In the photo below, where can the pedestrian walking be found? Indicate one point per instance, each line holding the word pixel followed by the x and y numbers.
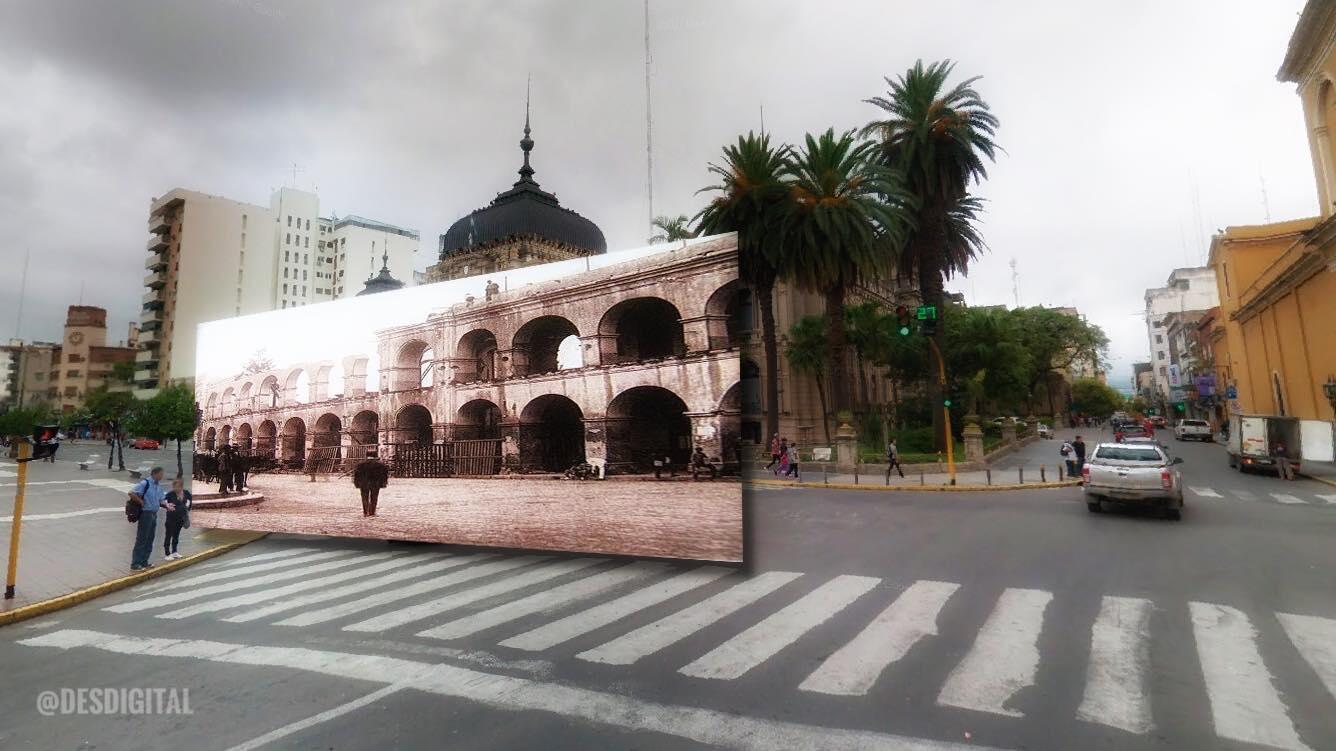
pixel 1284 466
pixel 774 451
pixel 783 467
pixel 369 477
pixel 792 471
pixel 176 519
pixel 224 470
pixel 893 460
pixel 240 468
pixel 1068 455
pixel 1079 448
pixel 149 495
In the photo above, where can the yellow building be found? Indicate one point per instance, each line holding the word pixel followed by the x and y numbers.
pixel 1278 281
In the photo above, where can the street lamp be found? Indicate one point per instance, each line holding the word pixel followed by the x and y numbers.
pixel 1329 388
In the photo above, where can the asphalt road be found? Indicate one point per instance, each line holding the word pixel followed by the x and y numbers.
pixel 870 620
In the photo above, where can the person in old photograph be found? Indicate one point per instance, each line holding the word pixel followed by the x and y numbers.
pixel 369 477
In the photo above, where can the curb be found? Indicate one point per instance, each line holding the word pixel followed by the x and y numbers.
pixel 920 488
pixel 1319 479
pixel 97 590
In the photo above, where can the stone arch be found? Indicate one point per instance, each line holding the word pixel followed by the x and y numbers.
pixel 229 402
pixel 476 357
pixel 293 443
pixel 364 432
pixel 731 428
pixel 729 315
pixel 413 425
pixel 211 406
pixel 245 440
pixel 266 437
pixel 537 343
pixel 210 439
pixel 476 419
pixel 646 423
pixel 297 387
pixel 551 435
pixel 268 394
pixel 328 434
pixel 245 397
pixel 355 372
pixel 642 328
pixel 408 371
pixel 225 435
pixel 320 382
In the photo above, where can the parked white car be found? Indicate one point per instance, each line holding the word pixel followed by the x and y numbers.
pixel 1139 473
pixel 1043 431
pixel 1197 430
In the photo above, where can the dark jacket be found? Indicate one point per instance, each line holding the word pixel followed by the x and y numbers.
pixel 371 473
pixel 182 505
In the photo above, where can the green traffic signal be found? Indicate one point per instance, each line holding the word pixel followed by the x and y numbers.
pixel 904 331
pixel 946 402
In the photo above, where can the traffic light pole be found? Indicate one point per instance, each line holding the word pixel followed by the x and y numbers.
pixel 946 411
pixel 25 456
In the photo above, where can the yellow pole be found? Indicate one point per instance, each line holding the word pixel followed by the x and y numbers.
pixel 946 412
pixel 25 453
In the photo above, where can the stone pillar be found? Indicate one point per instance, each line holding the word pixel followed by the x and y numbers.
pixel 512 363
pixel 600 349
pixel 1008 431
pixel 846 447
pixel 706 434
pixel 696 333
pixel 973 443
pixel 510 445
pixel 1031 425
pixel 596 444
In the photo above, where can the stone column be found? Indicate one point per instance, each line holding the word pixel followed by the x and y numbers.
pixel 846 447
pixel 973 443
pixel 696 333
pixel 512 363
pixel 596 444
pixel 1031 425
pixel 1008 431
pixel 706 434
pixel 510 445
pixel 600 349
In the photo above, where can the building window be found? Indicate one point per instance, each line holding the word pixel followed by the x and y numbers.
pixel 289 220
pixel 306 258
pixel 303 290
pixel 306 241
pixel 308 224
pixel 243 221
pixel 71 374
pixel 1159 339
pixel 287 256
pixel 285 303
pixel 285 288
pixel 288 239
pixel 1159 355
pixel 343 241
pixel 304 275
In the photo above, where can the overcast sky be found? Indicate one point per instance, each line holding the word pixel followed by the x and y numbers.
pixel 1132 129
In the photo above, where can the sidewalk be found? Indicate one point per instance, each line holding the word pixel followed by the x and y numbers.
pixel 1320 471
pixel 75 542
pixel 816 475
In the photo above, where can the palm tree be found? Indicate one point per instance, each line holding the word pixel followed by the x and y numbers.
pixel 672 229
pixel 750 201
pixel 845 222
pixel 939 138
pixel 806 353
pixel 864 328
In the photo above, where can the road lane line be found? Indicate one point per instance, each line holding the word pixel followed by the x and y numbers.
pixel 702 726
pixel 316 719
pixel 454 600
pixel 174 598
pixel 648 639
pixel 766 639
pixel 1004 658
pixel 1116 691
pixel 855 667
pixel 1204 492
pixel 1315 638
pixel 469 573
pixel 1244 703
pixel 1328 498
pixel 1287 498
pixel 63 514
pixel 233 572
pixel 579 624
pixel 540 602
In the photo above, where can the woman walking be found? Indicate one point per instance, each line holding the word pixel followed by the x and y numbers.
pixel 178 517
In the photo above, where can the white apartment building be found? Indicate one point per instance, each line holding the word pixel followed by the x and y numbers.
pixel 1187 290
pixel 212 257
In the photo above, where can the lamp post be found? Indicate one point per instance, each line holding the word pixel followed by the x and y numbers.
pixel 1329 388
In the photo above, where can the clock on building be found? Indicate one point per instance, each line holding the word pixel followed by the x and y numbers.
pixel 76 337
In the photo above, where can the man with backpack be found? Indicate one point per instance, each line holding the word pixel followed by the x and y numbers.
pixel 146 498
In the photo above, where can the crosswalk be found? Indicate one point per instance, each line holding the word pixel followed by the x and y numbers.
pixel 714 624
pixel 1291 499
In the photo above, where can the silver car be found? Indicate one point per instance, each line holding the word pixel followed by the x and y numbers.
pixel 1140 473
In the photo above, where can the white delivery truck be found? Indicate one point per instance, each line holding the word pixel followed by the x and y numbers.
pixel 1252 439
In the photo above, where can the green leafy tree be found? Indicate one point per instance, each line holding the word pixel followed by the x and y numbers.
pixel 806 353
pixel 905 358
pixel 939 138
pixel 22 421
pixel 863 330
pixel 1056 341
pixel 846 220
pixel 169 415
pixel 987 341
pixel 750 201
pixel 123 372
pixel 1091 397
pixel 672 228
pixel 259 362
pixel 112 409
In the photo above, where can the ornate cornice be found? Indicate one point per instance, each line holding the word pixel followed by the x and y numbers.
pixel 1312 38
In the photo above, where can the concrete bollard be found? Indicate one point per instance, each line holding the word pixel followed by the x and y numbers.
pixel 921 478
pixel 989 473
pixel 855 473
pixel 824 479
pixel 1060 473
pixel 1042 476
pixel 1021 471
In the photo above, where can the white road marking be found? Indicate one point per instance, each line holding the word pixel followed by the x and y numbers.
pixel 648 639
pixel 1204 492
pixel 1327 498
pixel 316 719
pixel 259 581
pixel 62 514
pixel 236 571
pixel 109 483
pixel 766 639
pixel 1287 498
pixel 228 561
pixel 1004 658
pixel 454 600
pixel 1315 638
pixel 1244 495
pixel 343 609
pixel 702 726
pixel 572 626
pixel 855 667
pixel 539 602
pixel 1244 703
pixel 1116 692
pixel 421 567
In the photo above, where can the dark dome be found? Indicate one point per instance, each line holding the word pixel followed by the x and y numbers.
pixel 382 282
pixel 525 209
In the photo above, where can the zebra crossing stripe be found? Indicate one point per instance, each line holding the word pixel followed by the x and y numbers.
pixel 855 667
pixel 1287 498
pixel 421 567
pixel 454 600
pixel 1204 492
pixel 344 609
pixel 766 639
pixel 1315 638
pixel 1244 703
pixel 1328 498
pixel 1004 658
pixel 1116 693
pixel 647 640
pixel 226 562
pixel 233 572
pixel 305 585
pixel 174 598
pixel 543 601
pixel 572 626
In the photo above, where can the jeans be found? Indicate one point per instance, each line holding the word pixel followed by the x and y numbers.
pixel 144 533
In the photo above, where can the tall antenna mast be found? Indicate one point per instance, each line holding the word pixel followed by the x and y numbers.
pixel 1266 203
pixel 649 129
pixel 23 289
pixel 1015 284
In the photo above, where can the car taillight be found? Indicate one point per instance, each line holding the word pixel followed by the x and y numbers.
pixel 1085 475
pixel 1166 479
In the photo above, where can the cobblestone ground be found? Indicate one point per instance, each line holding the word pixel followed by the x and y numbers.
pixel 697 520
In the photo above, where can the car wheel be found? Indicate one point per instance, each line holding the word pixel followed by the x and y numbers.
pixel 1094 506
pixel 1174 514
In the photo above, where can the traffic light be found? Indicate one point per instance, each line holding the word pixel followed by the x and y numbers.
pixel 903 319
pixel 927 316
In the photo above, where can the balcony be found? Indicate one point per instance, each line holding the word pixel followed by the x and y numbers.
pixel 145 360
pixel 155 262
pixel 153 299
pixel 155 281
pixel 157 243
pixel 159 223
pixel 148 339
pixel 149 326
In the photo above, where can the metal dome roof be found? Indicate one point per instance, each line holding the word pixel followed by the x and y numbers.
pixel 525 209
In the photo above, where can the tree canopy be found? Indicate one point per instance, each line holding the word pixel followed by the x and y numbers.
pixel 1091 397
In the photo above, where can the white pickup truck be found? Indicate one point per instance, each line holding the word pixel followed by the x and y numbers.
pixel 1135 473
pixel 1197 430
